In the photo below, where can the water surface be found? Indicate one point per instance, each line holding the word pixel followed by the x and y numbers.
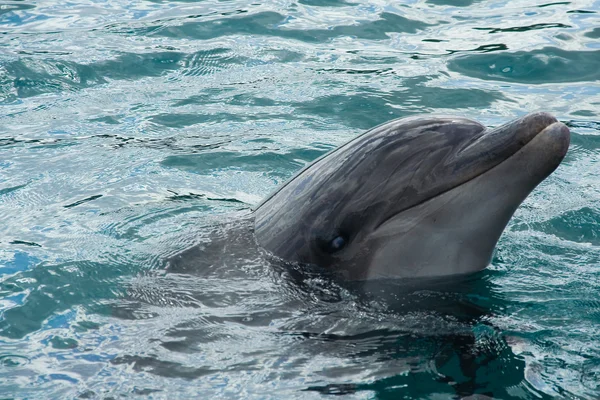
pixel 130 129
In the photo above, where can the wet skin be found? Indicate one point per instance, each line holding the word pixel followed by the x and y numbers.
pixel 415 197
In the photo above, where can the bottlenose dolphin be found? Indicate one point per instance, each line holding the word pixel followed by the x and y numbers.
pixel 420 197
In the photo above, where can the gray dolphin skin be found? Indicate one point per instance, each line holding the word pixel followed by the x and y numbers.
pixel 418 197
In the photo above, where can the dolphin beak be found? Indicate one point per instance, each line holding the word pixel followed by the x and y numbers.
pixel 534 146
pixel 526 128
pixel 505 140
pixel 552 144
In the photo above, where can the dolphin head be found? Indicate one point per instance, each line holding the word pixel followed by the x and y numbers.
pixel 414 197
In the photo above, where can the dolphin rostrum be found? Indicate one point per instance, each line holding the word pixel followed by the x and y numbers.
pixel 415 197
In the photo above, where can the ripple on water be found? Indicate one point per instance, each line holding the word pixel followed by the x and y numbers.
pixel 273 24
pixel 594 33
pixel 540 66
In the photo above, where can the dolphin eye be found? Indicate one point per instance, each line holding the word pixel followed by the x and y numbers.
pixel 337 244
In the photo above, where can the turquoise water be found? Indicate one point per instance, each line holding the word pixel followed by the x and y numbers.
pixel 130 129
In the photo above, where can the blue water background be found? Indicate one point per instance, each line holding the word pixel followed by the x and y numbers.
pixel 127 127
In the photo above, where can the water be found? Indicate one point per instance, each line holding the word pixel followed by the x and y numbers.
pixel 130 129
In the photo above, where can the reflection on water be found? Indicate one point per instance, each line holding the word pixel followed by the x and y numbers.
pixel 132 130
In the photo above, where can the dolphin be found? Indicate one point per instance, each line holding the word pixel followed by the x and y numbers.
pixel 420 197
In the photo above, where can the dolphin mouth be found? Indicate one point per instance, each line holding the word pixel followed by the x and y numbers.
pixel 505 140
pixel 541 131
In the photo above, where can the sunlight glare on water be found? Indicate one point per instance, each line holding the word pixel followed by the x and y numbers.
pixel 130 130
